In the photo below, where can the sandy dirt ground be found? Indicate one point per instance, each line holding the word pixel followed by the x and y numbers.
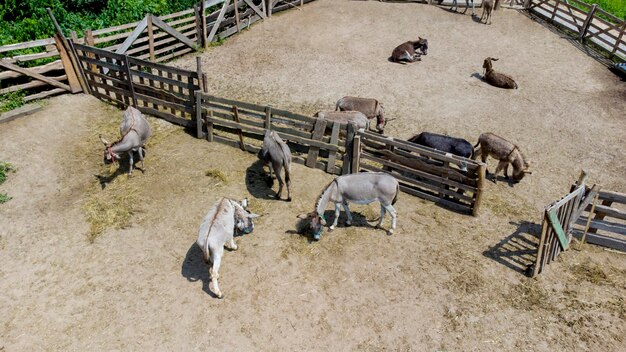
pixel 439 284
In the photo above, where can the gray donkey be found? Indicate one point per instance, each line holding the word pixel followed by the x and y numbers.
pixel 368 106
pixel 218 229
pixel 407 52
pixel 504 151
pixel 276 154
pixel 135 132
pixel 345 117
pixel 361 188
pixel 454 5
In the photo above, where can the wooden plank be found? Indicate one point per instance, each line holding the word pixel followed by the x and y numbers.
pixel 267 124
pixel 150 36
pixel 604 225
pixel 31 84
pixel 199 133
pixel 100 52
pixel 334 139
pixel 220 17
pixel 356 154
pixel 604 241
pixel 613 197
pixel 166 116
pixel 236 118
pixel 26 45
pixel 174 33
pixel 256 9
pixel 541 247
pixel 174 70
pixel 558 229
pixel 619 42
pixel 592 211
pixel 34 75
pixel 318 132
pixel 236 3
pixel 478 194
pixel 585 26
pixel 608 211
pixel 347 157
pixel 133 36
pixel 22 111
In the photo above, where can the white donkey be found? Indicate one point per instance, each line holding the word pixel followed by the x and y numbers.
pixel 218 230
pixel 135 132
pixel 361 188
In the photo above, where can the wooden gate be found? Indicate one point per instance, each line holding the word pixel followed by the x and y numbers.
pixel 558 221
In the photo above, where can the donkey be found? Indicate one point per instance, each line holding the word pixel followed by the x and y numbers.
pixel 488 6
pixel 407 52
pixel 135 132
pixel 345 117
pixel 456 146
pixel 454 5
pixel 370 107
pixel 217 230
pixel 276 154
pixel 497 79
pixel 361 188
pixel 504 151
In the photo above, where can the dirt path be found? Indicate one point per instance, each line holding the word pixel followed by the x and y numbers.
pixel 432 286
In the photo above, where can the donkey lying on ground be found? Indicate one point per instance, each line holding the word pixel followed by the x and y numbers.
pixel 345 117
pixel 135 132
pixel 497 79
pixel 361 188
pixel 276 154
pixel 488 6
pixel 217 230
pixel 456 146
pixel 369 107
pixel 504 151
pixel 407 52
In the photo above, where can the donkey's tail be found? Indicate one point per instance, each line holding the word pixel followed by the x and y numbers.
pixel 395 197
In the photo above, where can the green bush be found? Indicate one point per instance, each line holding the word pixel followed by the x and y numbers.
pixel 5 168
pixel 10 101
pixel 615 7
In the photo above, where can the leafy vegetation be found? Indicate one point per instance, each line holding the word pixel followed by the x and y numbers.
pixel 615 7
pixel 11 100
pixel 5 168
pixel 25 20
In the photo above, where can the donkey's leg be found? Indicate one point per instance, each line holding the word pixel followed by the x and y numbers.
pixel 394 216
pixel 143 168
pixel 502 165
pixel 337 209
pixel 288 181
pixel 216 258
pixel 346 208
pixel 382 216
pixel 131 161
pixel 231 244
pixel 281 183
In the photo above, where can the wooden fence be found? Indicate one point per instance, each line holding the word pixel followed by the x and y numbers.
pixel 423 172
pixel 588 23
pixel 604 224
pixel 153 88
pixel 156 39
pixel 315 143
pixel 558 221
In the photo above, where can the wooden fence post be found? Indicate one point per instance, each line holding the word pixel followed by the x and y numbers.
pixel 347 157
pixel 556 7
pixel 527 4
pixel 239 132
pixel 131 86
pixel 204 29
pixel 356 154
pixel 204 83
pixel 72 76
pixel 151 38
pixel 196 12
pixel 270 7
pixel 237 15
pixel 268 118
pixel 479 189
pixel 199 133
pixel 199 72
pixel 588 20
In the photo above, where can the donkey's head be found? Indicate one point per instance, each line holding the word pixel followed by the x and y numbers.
pixel 521 167
pixel 421 44
pixel 109 155
pixel 313 223
pixel 243 217
pixel 487 64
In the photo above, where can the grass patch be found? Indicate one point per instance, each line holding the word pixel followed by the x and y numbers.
pixel 4 198
pixel 110 209
pixel 5 169
pixel 530 296
pixel 217 175
pixel 12 100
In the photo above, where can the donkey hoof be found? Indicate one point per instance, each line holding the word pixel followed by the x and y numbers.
pixel 289 199
pixel 220 296
pixel 316 237
pixel 390 232
pixel 348 223
pixel 332 228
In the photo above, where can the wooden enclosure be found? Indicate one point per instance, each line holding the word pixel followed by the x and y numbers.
pixel 604 222
pixel 155 89
pixel 588 23
pixel 558 221
pixel 423 172
pixel 316 143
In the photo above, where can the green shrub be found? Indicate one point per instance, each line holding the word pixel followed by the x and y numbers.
pixel 11 100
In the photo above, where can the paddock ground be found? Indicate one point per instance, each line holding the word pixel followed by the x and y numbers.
pixel 438 284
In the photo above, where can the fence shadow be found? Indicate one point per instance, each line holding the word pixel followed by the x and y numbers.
pixel 518 250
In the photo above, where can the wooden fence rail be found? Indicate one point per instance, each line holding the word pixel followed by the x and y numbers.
pixel 424 172
pixel 604 223
pixel 587 23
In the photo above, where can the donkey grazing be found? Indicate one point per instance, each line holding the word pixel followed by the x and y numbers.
pixel 135 132
pixel 217 230
pixel 504 151
pixel 407 52
pixel 488 6
pixel 456 146
pixel 361 188
pixel 276 154
pixel 497 79
pixel 345 117
pixel 370 107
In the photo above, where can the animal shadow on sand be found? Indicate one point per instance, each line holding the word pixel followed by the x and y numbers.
pixel 121 168
pixel 358 220
pixel 195 269
pixel 517 251
pixel 259 183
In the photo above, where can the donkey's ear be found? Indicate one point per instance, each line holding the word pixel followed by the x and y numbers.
pixel 302 216
pixel 252 216
pixel 494 59
pixel 104 141
pixel 244 203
